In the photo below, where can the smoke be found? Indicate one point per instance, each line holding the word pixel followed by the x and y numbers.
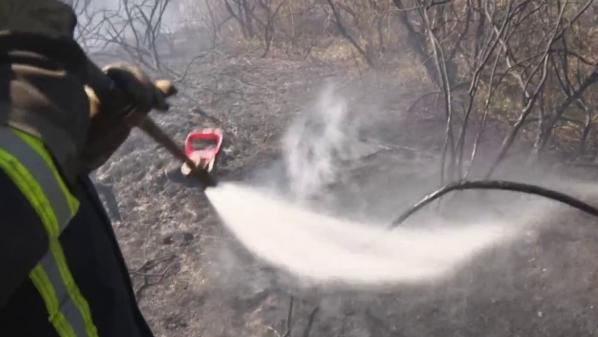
pixel 317 143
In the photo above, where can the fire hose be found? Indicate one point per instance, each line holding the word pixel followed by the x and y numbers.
pixel 495 185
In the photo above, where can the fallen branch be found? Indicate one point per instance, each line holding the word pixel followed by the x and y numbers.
pixel 158 277
pixel 496 185
pixel 290 317
pixel 310 322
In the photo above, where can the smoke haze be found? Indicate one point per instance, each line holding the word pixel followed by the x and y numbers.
pixel 317 143
pixel 324 249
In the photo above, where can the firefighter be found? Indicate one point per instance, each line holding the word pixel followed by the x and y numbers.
pixel 63 273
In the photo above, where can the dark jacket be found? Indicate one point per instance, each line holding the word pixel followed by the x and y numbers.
pixel 93 256
pixel 62 271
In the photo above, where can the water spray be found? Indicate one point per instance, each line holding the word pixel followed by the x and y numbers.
pixel 327 249
pixel 315 246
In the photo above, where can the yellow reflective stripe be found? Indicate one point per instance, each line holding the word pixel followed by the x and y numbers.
pixel 31 190
pixel 37 145
pixel 72 289
pixel 44 287
pixel 39 175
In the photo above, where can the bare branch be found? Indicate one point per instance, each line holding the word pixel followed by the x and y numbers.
pixel 346 34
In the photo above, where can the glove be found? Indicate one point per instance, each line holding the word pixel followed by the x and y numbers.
pixel 114 112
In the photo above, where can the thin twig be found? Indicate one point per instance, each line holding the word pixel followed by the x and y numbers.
pixel 531 101
pixel 310 322
pixel 346 34
pixel 290 317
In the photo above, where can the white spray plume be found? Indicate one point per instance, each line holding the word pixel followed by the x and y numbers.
pixel 324 249
pixel 316 143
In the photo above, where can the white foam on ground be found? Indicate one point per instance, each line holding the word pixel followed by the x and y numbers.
pixel 325 249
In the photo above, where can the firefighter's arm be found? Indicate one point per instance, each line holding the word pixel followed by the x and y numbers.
pixel 23 239
pixel 32 188
pixel 114 107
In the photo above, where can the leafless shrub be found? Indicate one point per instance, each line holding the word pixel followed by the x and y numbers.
pixel 489 53
pixel 528 63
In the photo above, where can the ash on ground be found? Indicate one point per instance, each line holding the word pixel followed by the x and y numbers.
pixel 192 278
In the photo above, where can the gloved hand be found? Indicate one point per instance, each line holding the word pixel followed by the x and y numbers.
pixel 114 112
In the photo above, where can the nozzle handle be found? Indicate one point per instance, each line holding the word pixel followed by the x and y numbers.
pixel 97 80
pixel 154 131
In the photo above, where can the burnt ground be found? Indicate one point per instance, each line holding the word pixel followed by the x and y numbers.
pixel 192 278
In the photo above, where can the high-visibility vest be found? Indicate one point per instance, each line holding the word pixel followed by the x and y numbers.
pixel 25 160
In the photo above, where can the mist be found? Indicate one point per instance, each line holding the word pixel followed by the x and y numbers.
pixel 328 250
pixel 295 231
pixel 317 143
